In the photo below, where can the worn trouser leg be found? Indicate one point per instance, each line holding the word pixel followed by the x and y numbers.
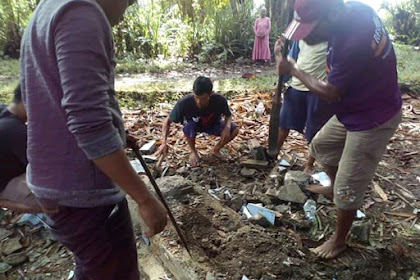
pixel 101 240
pixel 362 153
pixel 356 153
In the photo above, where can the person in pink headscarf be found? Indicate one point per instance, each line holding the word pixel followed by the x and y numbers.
pixel 262 28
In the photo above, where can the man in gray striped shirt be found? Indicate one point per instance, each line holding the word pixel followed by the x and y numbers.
pixel 77 165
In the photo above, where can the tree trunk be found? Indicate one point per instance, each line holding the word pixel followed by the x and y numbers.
pixel 234 7
pixel 286 13
pixel 268 7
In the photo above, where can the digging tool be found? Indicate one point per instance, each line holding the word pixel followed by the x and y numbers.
pixel 275 111
pixel 160 195
pixel 157 170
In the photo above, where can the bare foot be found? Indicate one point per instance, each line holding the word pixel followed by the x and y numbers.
pixel 327 191
pixel 194 159
pixel 330 249
pixel 309 170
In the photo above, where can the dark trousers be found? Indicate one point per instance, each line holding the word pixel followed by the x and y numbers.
pixel 101 239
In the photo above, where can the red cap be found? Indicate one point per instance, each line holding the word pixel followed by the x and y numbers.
pixel 306 17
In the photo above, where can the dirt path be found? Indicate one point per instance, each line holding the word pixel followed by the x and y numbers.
pixel 189 74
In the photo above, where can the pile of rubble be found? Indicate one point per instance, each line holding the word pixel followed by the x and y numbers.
pixel 28 251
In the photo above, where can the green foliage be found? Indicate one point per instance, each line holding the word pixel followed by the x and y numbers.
pixel 403 21
pixel 9 78
pixel 14 16
pixel 233 32
pixel 408 61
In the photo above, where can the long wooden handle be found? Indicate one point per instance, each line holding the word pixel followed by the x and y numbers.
pixel 160 195
pixel 275 112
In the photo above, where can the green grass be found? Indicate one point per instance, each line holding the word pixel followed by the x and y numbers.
pixel 137 66
pixel 261 83
pixel 155 92
pixel 9 77
pixel 408 61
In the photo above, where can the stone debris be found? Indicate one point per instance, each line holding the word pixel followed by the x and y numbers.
pixel 16 259
pixel 298 177
pixel 4 233
pixel 257 164
pixel 175 186
pixel 11 245
pixel 360 231
pixel 148 148
pixel 4 267
pixel 291 192
pixel 248 173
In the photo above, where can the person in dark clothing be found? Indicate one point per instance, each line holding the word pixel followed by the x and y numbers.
pixel 201 111
pixel 14 192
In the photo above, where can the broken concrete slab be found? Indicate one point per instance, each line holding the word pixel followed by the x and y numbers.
pixel 148 148
pixel 4 233
pixel 291 192
pixel 11 245
pixel 248 173
pixel 175 186
pixel 298 177
pixel 150 158
pixel 4 267
pixel 211 276
pixel 323 200
pixel 253 143
pixel 136 164
pixel 360 231
pixel 235 203
pixel 282 208
pixel 260 153
pixel 257 164
pixel 271 192
pixel 16 259
pixel 182 170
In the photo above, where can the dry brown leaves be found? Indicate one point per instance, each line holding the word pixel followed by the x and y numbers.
pixel 147 125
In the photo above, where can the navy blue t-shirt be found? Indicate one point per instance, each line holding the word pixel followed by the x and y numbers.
pixel 186 110
pixel 13 159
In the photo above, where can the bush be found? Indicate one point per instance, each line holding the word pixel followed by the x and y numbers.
pixel 402 20
pixel 14 16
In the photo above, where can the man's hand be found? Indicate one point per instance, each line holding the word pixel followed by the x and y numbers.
pixel 163 150
pixel 278 47
pixel 131 140
pixel 286 66
pixel 225 134
pixel 154 215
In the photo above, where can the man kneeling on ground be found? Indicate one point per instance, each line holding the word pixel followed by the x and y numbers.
pixel 14 192
pixel 201 112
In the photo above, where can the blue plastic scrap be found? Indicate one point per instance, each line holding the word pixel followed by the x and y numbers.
pixel 33 219
pixel 284 163
pixel 136 164
pixel 244 278
pixel 254 209
pixel 145 240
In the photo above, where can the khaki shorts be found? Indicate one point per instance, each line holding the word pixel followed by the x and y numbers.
pixel 356 153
